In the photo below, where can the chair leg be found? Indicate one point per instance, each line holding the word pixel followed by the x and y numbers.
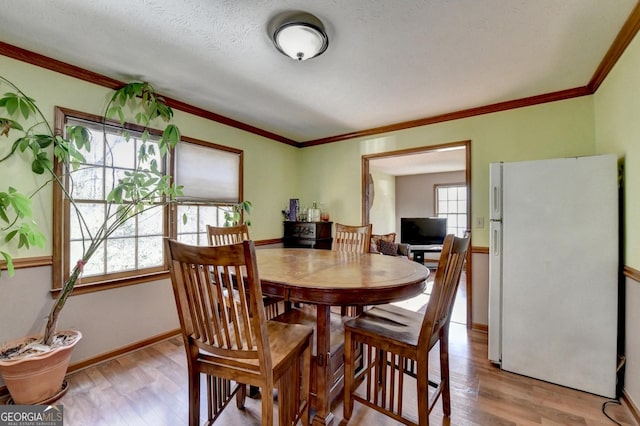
pixel 444 371
pixel 241 396
pixel 305 375
pixel 348 377
pixel 194 396
pixel 267 406
pixel 422 371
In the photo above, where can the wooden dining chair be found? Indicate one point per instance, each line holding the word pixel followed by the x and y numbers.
pixel 352 239
pixel 225 235
pixel 230 341
pixel 396 342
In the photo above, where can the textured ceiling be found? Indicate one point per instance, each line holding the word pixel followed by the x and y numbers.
pixel 388 61
pixel 436 161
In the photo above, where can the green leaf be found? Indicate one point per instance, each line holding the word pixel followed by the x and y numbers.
pixel 9 262
pixel 25 109
pixel 10 235
pixel 11 105
pixel 171 134
pixel 20 203
pixel 3 214
pixel 43 141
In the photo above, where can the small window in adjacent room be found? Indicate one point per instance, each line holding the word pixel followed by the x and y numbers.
pixel 451 202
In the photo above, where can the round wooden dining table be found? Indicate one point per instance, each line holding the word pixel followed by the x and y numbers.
pixel 326 278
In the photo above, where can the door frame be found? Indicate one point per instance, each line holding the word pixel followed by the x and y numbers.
pixel 366 158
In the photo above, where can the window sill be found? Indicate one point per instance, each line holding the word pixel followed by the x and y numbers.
pixel 115 283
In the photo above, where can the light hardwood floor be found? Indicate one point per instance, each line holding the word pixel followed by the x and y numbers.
pixel 149 387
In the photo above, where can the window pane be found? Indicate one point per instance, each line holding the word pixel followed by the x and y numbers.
pixel 121 152
pixel 442 193
pixel 96 155
pixel 188 239
pixel 149 153
pixel 112 176
pixel 452 192
pixel 192 219
pixel 95 266
pixel 221 212
pixel 150 221
pixel 150 252
pixel 92 213
pixel 462 206
pixel 208 216
pixel 87 183
pixel 121 254
pixel 462 193
pixel 127 229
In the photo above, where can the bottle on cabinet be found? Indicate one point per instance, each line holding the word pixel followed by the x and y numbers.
pixel 313 214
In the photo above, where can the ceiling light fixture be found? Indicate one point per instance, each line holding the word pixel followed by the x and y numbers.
pixel 300 36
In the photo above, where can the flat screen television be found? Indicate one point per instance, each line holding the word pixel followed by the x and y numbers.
pixel 423 230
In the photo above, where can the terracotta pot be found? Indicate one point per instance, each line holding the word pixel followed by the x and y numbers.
pixel 38 378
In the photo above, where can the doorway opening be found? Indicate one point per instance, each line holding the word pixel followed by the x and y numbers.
pixel 387 172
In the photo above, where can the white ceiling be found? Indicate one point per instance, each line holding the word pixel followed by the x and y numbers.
pixel 436 161
pixel 388 61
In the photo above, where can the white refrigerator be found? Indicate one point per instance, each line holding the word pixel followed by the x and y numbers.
pixel 553 270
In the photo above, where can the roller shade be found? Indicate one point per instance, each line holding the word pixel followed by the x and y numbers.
pixel 207 173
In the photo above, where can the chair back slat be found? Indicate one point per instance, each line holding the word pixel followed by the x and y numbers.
pixel 352 239
pixel 227 235
pixel 445 286
pixel 203 279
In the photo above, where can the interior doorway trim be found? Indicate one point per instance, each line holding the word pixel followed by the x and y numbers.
pixel 367 196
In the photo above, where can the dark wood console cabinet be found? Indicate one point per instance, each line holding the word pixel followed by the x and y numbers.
pixel 307 235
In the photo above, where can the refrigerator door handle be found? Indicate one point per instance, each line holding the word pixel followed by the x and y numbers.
pixel 495 244
pixel 496 201
pixel 495 192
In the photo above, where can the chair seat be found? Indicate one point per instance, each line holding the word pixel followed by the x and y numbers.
pixel 389 322
pixel 284 340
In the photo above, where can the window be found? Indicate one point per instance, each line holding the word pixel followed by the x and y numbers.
pixel 135 252
pixel 194 231
pixel 451 202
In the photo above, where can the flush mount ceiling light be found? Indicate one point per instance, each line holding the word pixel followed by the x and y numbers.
pixel 300 36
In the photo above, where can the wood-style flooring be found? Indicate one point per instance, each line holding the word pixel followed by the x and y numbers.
pixel 149 387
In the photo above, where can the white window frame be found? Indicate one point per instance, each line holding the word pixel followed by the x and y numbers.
pixel 452 208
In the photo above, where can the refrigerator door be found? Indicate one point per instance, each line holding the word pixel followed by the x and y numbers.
pixel 495 194
pixel 495 291
pixel 560 260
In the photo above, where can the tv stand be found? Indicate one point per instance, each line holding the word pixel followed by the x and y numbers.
pixel 419 251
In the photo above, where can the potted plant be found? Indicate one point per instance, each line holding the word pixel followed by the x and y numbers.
pixel 34 143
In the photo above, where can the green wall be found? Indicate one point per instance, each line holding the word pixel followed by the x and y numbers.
pixel 332 172
pixel 617 129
